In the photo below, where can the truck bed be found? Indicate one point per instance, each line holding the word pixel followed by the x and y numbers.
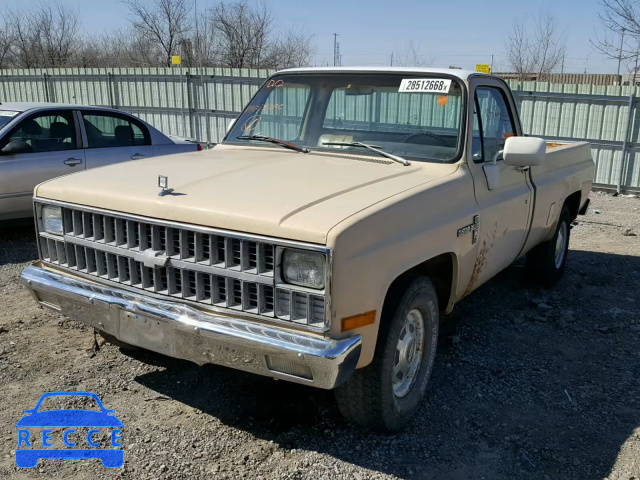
pixel 568 168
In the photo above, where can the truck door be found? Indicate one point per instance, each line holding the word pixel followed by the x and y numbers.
pixel 503 192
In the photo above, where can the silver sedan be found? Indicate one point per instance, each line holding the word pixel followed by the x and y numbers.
pixel 39 141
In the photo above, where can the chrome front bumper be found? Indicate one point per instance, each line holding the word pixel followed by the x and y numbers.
pixel 180 331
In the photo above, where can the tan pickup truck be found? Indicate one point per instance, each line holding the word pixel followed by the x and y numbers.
pixel 346 211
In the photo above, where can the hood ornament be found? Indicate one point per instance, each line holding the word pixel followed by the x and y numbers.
pixel 163 183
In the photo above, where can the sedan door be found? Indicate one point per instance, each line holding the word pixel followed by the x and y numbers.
pixel 42 146
pixel 112 137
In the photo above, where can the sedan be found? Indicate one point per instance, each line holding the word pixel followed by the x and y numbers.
pixel 40 141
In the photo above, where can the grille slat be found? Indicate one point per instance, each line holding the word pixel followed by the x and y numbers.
pixel 133 234
pixel 126 236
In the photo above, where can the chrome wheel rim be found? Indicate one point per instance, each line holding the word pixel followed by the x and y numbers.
pixel 561 244
pixel 408 354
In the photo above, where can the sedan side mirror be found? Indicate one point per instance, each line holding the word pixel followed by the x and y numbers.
pixel 16 146
pixel 524 151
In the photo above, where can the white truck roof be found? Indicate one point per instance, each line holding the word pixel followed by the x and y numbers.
pixel 461 74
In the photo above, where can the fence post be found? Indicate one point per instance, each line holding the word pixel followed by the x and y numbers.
pixel 46 87
pixel 624 160
pixel 4 88
pixel 110 89
pixel 189 82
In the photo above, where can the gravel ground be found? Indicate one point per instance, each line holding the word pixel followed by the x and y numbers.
pixel 528 384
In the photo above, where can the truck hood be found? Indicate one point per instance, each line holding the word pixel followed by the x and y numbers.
pixel 267 191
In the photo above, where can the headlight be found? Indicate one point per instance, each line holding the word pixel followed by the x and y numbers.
pixel 52 219
pixel 303 268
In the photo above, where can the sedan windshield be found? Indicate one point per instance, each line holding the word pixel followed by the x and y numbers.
pixel 415 117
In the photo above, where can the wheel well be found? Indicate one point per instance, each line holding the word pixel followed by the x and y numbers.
pixel 573 202
pixel 439 269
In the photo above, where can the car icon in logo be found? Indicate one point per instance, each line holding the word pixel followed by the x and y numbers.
pixel 29 449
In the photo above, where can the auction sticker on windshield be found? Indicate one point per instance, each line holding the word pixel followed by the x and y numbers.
pixel 424 85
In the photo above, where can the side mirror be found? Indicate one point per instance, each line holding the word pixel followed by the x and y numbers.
pixel 524 151
pixel 16 146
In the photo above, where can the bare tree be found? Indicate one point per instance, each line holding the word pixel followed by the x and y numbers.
pixel 163 22
pixel 45 37
pixel 411 56
pixel 6 43
pixel 518 47
pixel 243 33
pixel 621 22
pixel 292 48
pixel 535 47
pixel 204 45
pixel 239 34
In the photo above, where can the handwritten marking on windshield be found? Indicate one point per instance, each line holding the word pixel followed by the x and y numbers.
pixel 265 107
pixel 275 83
pixel 251 123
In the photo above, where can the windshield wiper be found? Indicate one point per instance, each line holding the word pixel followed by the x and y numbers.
pixel 373 148
pixel 282 143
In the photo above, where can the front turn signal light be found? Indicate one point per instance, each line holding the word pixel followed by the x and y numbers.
pixel 357 321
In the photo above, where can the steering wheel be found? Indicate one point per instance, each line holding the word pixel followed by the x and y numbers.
pixel 426 133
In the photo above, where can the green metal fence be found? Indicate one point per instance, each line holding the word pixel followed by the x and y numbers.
pixel 200 102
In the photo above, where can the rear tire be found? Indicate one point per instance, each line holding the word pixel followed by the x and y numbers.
pixel 385 395
pixel 546 262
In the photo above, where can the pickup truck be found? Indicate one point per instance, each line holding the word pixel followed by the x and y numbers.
pixel 345 213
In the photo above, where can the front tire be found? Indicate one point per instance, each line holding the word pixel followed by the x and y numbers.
pixel 385 395
pixel 546 262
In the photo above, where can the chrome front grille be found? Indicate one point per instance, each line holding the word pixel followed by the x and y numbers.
pixel 178 243
pixel 211 268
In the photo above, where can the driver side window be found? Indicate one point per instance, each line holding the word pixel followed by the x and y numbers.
pixel 496 124
pixel 43 132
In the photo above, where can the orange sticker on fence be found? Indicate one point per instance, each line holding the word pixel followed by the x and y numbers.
pixel 443 100
pixel 508 134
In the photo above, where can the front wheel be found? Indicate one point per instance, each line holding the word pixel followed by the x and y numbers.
pixel 385 395
pixel 546 262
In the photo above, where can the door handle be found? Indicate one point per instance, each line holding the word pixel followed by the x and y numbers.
pixel 522 169
pixel 72 162
pixel 137 156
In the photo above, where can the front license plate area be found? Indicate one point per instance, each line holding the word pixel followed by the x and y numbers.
pixel 144 332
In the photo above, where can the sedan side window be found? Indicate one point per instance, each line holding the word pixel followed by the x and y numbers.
pixel 42 132
pixel 495 120
pixel 106 130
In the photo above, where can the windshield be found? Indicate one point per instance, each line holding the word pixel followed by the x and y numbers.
pixel 412 116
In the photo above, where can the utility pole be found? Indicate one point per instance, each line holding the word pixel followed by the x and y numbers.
pixel 195 15
pixel 392 59
pixel 620 55
pixel 335 49
pixel 491 68
pixel 562 66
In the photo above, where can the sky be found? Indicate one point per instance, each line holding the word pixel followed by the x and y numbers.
pixel 456 32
